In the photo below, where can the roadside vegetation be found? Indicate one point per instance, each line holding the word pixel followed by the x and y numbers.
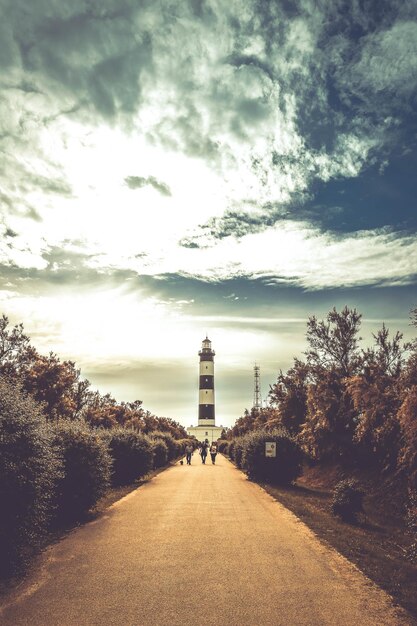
pixel 352 415
pixel 65 447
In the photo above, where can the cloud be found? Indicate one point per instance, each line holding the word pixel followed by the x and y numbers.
pixel 238 109
pixel 137 182
pixel 244 88
pixel 300 255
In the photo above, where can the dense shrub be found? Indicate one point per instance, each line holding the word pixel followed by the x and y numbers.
pixel 86 469
pixel 238 451
pixel 282 469
pixel 160 452
pixel 222 446
pixel 408 453
pixel 29 470
pixel 347 500
pixel 131 452
pixel 231 450
pixel 183 443
pixel 411 525
pixel 172 445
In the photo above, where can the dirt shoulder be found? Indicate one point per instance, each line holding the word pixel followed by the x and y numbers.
pixel 377 544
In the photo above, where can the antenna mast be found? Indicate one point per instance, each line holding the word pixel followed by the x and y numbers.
pixel 257 398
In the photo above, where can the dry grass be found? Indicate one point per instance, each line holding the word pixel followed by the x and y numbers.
pixel 377 544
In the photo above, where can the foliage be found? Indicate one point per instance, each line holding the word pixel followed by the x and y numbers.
pixel 376 395
pixel 289 394
pixel 347 501
pixel 165 424
pixel 411 525
pixel 222 446
pixel 171 443
pixel 183 443
pixel 243 424
pixel 131 453
pixel 29 470
pixel 52 383
pixel 103 411
pixel 333 344
pixel 282 469
pixel 250 420
pixel 159 451
pixel 14 345
pixel 407 416
pixel 86 469
pixel 57 385
pixel 238 451
pixel 330 421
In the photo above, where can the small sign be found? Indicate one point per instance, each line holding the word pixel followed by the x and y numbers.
pixel 270 449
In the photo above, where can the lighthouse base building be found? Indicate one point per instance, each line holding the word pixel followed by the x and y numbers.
pixel 206 428
pixel 201 433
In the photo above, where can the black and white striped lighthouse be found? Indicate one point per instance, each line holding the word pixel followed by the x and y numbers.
pixel 206 415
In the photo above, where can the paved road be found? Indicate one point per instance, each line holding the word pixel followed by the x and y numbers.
pixel 197 545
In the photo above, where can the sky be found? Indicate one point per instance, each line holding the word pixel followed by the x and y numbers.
pixel 171 169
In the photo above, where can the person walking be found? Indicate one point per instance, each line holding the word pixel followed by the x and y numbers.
pixel 188 453
pixel 203 451
pixel 213 453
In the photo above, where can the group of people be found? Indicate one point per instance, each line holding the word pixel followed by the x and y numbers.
pixel 204 448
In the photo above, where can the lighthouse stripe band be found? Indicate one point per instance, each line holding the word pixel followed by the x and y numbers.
pixel 206 396
pixel 207 368
pixel 208 356
pixel 206 382
pixel 206 412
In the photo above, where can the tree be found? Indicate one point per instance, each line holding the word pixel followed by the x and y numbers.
pixel 328 430
pixel 54 384
pixel 13 345
pixel 408 423
pixel 244 424
pixel 334 343
pixel 100 411
pixel 30 468
pixel 376 395
pixel 289 394
pixel 332 357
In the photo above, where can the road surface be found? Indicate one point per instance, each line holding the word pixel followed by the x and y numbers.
pixel 197 544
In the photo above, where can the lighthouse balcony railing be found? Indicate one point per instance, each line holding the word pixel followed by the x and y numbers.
pixel 206 352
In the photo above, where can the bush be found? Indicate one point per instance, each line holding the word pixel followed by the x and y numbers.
pixel 282 469
pixel 160 452
pixel 347 500
pixel 411 525
pixel 223 446
pixel 172 445
pixel 29 471
pixel 132 454
pixel 238 451
pixel 235 450
pixel 86 469
pixel 183 443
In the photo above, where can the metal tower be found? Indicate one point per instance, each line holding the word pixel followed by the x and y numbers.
pixel 257 398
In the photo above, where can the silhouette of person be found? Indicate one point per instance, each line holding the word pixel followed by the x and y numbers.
pixel 213 453
pixel 188 453
pixel 203 451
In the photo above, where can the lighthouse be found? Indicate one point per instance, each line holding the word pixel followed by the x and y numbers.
pixel 206 428
pixel 206 412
